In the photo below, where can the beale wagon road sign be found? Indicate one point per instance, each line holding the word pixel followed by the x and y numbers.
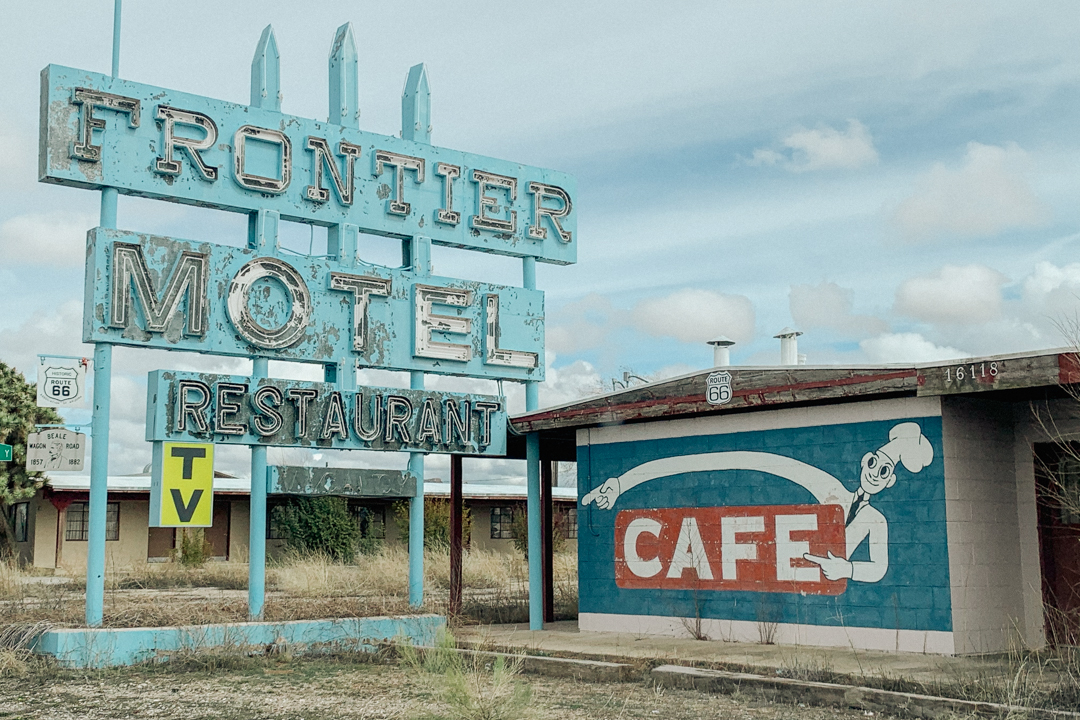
pixel 99 131
pixel 56 449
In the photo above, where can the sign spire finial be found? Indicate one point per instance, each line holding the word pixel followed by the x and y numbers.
pixel 344 78
pixel 416 106
pixel 266 73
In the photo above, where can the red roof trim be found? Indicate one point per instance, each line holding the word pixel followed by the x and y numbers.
pixel 757 392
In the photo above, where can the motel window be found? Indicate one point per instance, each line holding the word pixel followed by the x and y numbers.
pixel 1068 486
pixel 20 520
pixel 371 519
pixel 566 522
pixel 502 522
pixel 275 522
pixel 78 522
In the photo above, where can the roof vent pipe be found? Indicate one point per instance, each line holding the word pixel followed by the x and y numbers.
pixel 789 346
pixel 721 351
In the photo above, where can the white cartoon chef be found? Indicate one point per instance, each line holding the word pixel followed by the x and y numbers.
pixel 907 447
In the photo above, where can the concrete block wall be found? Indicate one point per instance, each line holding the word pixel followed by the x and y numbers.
pixel 983 524
pixel 908 609
pixel 129 551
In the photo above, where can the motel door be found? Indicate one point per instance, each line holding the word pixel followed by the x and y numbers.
pixel 1058 473
pixel 218 534
pixel 160 544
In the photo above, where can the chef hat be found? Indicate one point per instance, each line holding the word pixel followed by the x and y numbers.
pixel 909 446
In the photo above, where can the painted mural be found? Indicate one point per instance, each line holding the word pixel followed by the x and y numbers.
pixel 837 524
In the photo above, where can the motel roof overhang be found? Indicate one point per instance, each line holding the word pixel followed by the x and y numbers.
pixel 1029 377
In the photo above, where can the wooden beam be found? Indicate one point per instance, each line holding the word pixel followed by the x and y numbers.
pixel 456 508
pixel 547 541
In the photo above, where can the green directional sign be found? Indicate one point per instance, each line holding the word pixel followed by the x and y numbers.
pixel 5 453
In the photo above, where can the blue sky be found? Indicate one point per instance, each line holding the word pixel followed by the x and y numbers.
pixel 897 180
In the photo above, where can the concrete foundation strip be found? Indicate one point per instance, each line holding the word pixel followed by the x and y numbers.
pixel 846 696
pixel 783 689
pixel 587 670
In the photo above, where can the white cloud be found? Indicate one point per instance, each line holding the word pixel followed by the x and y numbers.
pixel 56 332
pixel 821 148
pixel 695 316
pixel 987 194
pixel 1047 278
pixel 765 156
pixel 955 294
pixel 56 239
pixel 17 154
pixel 907 348
pixel 582 325
pixel 828 305
pixel 569 383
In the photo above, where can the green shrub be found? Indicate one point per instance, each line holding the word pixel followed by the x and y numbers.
pixel 473 687
pixel 519 526
pixel 436 522
pixel 320 525
pixel 195 549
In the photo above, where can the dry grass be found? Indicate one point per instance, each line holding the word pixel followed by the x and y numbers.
pixel 299 588
pixel 226 575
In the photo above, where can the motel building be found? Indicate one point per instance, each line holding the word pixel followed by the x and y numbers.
pixel 51 529
pixel 897 508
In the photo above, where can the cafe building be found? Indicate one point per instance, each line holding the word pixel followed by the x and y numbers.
pixel 918 508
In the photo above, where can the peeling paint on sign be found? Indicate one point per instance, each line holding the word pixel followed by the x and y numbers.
pixel 227 409
pixel 158 292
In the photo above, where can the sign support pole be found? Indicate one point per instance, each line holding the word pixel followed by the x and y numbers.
pixel 257 517
pixel 262 236
pixel 99 454
pixel 416 126
pixel 420 254
pixel 532 462
pixel 455 534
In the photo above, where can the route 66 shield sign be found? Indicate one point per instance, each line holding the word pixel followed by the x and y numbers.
pixel 61 382
pixel 718 388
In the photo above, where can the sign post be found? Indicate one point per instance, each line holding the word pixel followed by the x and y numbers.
pixel 5 452
pixel 99 451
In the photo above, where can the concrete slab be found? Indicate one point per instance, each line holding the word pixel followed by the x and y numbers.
pixel 585 670
pixel 110 647
pixel 563 638
pixel 845 696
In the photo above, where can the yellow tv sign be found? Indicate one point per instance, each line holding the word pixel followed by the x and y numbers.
pixel 182 485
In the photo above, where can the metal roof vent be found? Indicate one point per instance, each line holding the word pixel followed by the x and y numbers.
pixel 789 346
pixel 721 351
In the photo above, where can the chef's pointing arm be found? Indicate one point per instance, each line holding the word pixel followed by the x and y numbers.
pixel 823 486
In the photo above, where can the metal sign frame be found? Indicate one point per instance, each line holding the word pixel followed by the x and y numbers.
pixel 104 133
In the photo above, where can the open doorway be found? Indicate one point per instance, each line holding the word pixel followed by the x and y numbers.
pixel 1057 472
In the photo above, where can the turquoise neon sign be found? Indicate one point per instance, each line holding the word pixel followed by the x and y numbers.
pixel 171 294
pixel 247 297
pixel 152 142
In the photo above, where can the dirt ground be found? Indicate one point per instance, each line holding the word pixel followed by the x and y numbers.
pixel 332 689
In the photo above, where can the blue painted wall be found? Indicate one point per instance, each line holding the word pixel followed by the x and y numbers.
pixel 914 594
